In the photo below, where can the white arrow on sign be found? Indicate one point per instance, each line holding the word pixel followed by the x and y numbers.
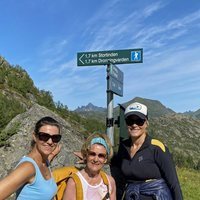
pixel 81 60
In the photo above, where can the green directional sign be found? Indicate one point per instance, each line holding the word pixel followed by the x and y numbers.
pixel 116 73
pixel 115 86
pixel 115 80
pixel 105 57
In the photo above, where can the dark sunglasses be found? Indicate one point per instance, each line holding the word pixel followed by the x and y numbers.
pixel 100 155
pixel 45 137
pixel 138 121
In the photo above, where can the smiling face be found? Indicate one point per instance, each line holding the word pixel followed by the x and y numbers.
pixel 44 141
pixel 136 126
pixel 96 158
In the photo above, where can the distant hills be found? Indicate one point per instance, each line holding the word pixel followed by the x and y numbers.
pixel 193 114
pixel 90 107
pixel 155 108
pixel 179 131
pixel 92 111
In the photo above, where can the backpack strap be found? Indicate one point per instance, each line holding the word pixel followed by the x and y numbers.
pixel 106 182
pixel 79 189
pixel 61 176
pixel 159 144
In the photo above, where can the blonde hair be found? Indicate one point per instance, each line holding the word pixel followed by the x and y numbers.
pixel 87 145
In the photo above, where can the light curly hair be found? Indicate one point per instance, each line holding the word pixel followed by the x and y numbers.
pixel 87 145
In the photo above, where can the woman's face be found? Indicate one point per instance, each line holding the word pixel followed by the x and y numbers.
pixel 96 157
pixel 136 126
pixel 47 139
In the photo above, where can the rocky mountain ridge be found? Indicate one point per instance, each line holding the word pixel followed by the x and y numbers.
pixel 90 107
pixel 157 108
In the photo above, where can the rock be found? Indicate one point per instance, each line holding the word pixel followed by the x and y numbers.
pixel 20 143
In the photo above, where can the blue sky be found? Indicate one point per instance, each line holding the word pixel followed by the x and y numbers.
pixel 44 36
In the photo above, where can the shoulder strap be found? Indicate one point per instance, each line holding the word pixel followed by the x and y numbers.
pixel 79 189
pixel 158 143
pixel 104 177
pixel 61 176
pixel 106 182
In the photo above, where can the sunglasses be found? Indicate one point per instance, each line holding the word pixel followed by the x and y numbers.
pixel 45 137
pixel 101 156
pixel 138 121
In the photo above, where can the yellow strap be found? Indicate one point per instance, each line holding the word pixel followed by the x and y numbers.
pixel 104 177
pixel 158 143
pixel 106 182
pixel 79 189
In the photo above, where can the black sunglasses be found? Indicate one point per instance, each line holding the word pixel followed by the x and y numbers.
pixel 138 121
pixel 45 137
pixel 100 155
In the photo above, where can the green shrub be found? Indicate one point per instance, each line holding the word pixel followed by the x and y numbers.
pixel 9 108
pixel 4 135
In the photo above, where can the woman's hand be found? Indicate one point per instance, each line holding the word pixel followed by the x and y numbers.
pixel 79 155
pixel 55 152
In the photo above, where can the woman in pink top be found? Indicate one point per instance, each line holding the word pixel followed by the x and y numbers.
pixel 96 152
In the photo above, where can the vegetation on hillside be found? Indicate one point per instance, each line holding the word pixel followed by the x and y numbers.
pixel 181 134
pixel 18 93
pixel 9 108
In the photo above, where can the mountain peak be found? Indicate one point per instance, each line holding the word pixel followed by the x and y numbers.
pixel 89 107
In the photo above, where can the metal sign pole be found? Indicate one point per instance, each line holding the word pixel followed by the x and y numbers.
pixel 110 105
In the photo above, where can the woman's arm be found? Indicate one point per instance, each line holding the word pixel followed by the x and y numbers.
pixel 70 190
pixel 166 165
pixel 24 173
pixel 115 169
pixel 113 186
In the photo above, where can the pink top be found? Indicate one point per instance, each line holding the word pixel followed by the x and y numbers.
pixel 93 192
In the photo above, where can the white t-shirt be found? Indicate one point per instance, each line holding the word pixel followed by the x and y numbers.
pixel 93 192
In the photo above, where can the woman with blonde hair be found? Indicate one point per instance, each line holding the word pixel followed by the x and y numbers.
pixel 144 164
pixel 96 152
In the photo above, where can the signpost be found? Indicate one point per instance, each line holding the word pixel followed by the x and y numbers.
pixel 115 79
pixel 115 76
pixel 106 57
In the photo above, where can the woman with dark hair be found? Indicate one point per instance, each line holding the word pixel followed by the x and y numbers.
pixel 32 178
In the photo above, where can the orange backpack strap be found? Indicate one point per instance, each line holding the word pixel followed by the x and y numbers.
pixel 106 182
pixel 61 176
pixel 79 189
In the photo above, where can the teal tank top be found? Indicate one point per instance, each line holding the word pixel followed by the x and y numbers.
pixel 39 189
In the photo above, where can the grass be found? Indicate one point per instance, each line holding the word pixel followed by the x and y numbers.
pixel 190 183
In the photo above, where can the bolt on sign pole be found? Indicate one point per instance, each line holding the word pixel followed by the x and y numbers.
pixel 110 105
